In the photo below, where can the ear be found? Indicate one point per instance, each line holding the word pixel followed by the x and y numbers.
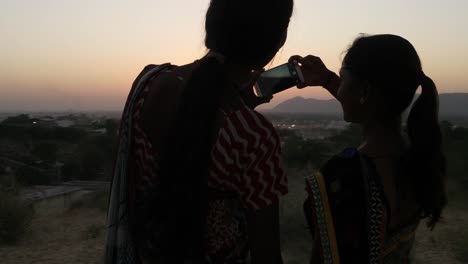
pixel 365 92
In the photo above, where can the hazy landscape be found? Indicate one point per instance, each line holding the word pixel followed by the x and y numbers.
pixel 452 106
pixel 54 168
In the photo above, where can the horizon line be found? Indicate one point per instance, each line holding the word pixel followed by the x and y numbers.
pixel 120 110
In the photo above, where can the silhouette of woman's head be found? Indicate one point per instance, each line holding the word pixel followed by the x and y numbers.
pixel 247 31
pixel 380 75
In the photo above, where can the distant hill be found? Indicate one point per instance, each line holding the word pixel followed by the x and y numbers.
pixel 451 104
pixel 454 104
pixel 314 106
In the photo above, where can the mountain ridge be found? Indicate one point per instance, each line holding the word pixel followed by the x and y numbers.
pixel 449 104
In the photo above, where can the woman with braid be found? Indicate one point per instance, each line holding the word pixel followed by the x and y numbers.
pixel 198 177
pixel 366 203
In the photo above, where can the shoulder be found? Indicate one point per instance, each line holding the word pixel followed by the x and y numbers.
pixel 248 124
pixel 252 120
pixel 167 85
pixel 172 76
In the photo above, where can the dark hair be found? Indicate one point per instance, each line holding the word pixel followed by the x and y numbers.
pixel 393 68
pixel 246 32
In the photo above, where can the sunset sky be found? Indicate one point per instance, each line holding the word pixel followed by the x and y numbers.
pixel 84 55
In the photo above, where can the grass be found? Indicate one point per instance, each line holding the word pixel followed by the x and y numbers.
pixel 458 196
pixel 94 200
pixel 76 205
pixel 15 218
pixel 461 247
pixel 74 237
pixel 93 231
pixel 296 240
pixel 459 239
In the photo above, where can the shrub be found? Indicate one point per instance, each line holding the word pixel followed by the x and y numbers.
pixel 92 162
pixel 15 218
pixel 46 151
pixel 299 152
pixel 28 176
pixel 71 170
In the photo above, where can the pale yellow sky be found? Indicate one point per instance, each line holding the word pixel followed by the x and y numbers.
pixel 84 55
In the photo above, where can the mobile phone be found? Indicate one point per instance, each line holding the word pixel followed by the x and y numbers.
pixel 279 79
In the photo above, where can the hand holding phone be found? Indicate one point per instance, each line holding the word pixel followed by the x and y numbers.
pixel 313 69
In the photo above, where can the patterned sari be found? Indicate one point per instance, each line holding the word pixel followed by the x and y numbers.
pixel 347 213
pixel 245 173
pixel 120 248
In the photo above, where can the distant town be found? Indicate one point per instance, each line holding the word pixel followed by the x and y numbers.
pixel 53 148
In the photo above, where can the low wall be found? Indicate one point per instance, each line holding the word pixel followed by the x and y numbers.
pixel 58 204
pixel 57 199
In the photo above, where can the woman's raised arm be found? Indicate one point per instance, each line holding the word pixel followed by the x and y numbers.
pixel 317 74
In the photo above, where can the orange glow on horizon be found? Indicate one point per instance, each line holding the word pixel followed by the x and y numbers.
pixel 92 51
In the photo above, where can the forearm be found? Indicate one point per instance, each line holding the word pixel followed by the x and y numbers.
pixel 333 84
